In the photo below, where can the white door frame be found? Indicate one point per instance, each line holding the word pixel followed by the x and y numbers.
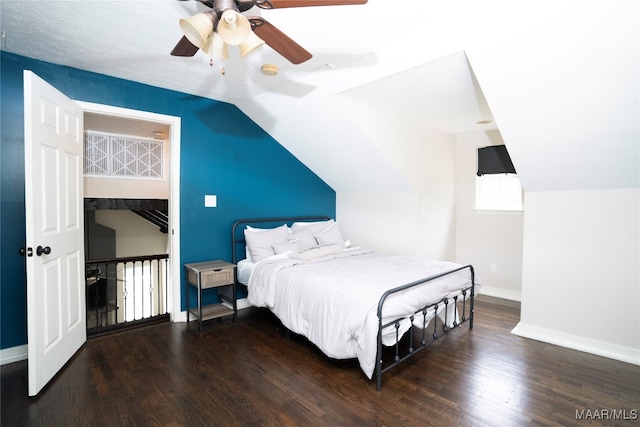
pixel 175 266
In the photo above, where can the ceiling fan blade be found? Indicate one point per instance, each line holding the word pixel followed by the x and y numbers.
pixel 279 41
pixel 279 4
pixel 184 48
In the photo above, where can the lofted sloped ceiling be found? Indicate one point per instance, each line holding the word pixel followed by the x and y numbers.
pixel 443 94
pixel 558 79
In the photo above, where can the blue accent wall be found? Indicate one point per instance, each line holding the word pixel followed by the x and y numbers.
pixel 223 152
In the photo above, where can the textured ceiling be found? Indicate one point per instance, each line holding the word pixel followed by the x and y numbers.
pixel 125 126
pixel 132 40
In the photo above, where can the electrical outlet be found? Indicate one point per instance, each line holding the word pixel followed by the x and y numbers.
pixel 494 268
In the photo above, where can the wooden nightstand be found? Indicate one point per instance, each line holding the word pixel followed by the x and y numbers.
pixel 211 274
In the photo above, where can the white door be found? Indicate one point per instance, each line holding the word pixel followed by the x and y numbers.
pixel 55 229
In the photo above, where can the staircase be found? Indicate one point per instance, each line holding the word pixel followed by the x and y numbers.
pixel 156 211
pixel 157 217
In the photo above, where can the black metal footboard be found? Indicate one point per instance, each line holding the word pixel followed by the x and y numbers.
pixel 430 330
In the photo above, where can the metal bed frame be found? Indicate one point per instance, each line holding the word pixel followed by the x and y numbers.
pixel 424 340
pixel 415 342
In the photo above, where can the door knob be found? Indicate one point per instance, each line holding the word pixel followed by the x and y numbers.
pixel 40 250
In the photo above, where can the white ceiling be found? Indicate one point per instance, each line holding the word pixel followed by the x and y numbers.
pixel 132 40
pixel 125 126
pixel 444 94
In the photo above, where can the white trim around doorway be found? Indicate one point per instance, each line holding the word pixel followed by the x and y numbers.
pixel 174 123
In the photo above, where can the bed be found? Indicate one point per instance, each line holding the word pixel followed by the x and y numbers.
pixel 351 302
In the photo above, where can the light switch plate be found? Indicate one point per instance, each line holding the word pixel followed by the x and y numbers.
pixel 210 201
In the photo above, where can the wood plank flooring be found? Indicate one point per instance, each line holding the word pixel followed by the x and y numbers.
pixel 247 374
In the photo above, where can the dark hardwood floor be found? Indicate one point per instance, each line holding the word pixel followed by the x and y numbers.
pixel 248 374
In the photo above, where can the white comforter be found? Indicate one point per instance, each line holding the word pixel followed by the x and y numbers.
pixel 333 300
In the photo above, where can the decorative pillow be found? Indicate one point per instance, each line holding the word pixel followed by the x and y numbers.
pixel 317 252
pixel 304 238
pixel 330 236
pixel 251 229
pixel 291 245
pixel 313 227
pixel 260 241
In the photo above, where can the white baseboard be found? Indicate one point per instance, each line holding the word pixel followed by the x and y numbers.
pixel 587 345
pixel 501 293
pixel 179 317
pixel 14 354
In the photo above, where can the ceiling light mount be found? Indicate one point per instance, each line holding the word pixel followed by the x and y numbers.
pixel 269 69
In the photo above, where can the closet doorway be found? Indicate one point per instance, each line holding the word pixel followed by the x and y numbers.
pixel 110 188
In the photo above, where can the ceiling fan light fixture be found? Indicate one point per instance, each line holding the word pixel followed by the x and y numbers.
pixel 198 27
pixel 234 28
pixel 215 46
pixel 252 42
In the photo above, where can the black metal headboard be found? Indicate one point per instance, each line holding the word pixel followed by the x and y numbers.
pixel 237 231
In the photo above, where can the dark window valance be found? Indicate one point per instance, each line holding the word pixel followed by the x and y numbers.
pixel 494 160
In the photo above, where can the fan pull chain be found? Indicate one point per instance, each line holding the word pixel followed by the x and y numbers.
pixel 223 71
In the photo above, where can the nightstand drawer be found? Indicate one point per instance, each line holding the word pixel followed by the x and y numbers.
pixel 221 277
pixel 212 279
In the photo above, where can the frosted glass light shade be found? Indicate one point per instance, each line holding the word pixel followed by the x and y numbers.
pixel 252 42
pixel 234 28
pixel 217 47
pixel 198 28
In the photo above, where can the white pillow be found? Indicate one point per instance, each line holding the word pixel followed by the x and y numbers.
pixel 304 237
pixel 291 245
pixel 260 241
pixel 313 227
pixel 330 236
pixel 317 252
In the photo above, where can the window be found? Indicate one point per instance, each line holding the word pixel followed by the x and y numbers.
pixel 121 155
pixel 498 187
pixel 498 193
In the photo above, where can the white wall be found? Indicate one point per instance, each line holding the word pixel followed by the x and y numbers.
pixel 121 188
pixel 485 238
pixel 419 222
pixel 581 271
pixel 134 235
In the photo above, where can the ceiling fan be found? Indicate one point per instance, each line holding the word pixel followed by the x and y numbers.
pixel 212 31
